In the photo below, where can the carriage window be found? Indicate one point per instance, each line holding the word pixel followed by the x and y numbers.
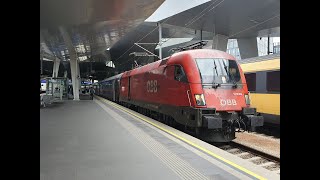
pixel 251 81
pixel 179 74
pixel 273 81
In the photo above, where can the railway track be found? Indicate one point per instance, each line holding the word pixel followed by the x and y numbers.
pixel 259 158
pixel 255 156
pixel 268 131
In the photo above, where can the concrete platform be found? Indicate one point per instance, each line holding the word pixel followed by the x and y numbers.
pixel 101 140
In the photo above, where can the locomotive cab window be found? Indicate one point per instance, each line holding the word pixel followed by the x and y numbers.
pixel 179 74
pixel 221 71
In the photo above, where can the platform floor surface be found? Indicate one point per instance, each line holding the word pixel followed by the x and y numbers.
pixel 89 140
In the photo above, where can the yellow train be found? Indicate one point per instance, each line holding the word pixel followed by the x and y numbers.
pixel 263 80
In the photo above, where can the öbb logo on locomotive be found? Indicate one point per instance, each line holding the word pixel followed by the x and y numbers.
pixel 229 102
pixel 152 86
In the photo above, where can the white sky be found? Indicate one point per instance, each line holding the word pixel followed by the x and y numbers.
pixel 276 39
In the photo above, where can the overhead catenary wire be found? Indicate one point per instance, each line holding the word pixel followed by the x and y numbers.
pixel 253 26
pixel 164 22
pixel 196 18
pixel 246 29
pixel 205 12
pixel 136 42
pixel 199 14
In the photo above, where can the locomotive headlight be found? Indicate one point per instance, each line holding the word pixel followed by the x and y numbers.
pixel 247 98
pixel 200 99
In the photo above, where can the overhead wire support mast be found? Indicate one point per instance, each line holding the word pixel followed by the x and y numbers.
pixel 41 56
pixel 160 37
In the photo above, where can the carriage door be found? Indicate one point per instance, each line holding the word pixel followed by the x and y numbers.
pixel 129 83
pixel 116 90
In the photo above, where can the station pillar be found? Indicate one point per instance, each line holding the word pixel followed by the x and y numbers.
pixel 220 42
pixel 248 47
pixel 56 64
pixel 74 65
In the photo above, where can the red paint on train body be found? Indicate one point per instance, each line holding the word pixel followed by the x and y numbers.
pixel 202 89
pixel 169 91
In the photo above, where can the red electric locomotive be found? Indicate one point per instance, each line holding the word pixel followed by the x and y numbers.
pixel 201 89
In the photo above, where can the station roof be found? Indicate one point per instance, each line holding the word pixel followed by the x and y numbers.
pixel 235 19
pixel 106 30
pixel 94 25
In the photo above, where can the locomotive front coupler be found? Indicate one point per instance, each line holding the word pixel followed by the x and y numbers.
pixel 251 119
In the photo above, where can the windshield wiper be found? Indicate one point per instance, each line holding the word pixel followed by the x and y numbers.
pixel 229 74
pixel 214 84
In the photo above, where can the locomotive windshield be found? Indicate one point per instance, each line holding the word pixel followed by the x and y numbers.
pixel 220 71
